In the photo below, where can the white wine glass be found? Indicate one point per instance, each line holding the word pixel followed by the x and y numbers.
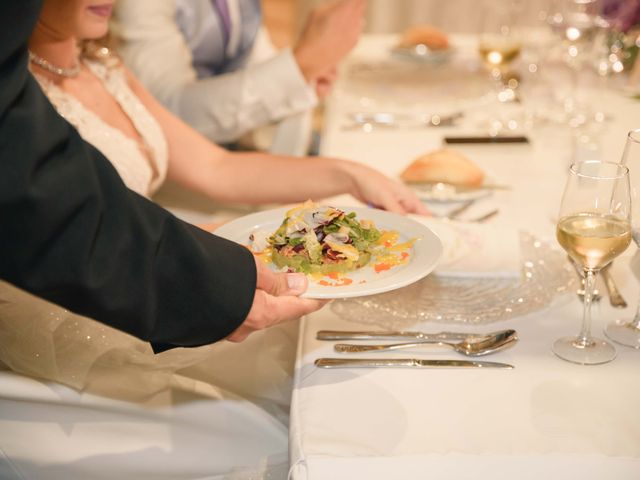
pixel 593 227
pixel 577 24
pixel 627 331
pixel 499 43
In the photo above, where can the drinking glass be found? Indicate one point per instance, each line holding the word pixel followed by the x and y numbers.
pixel 577 24
pixel 499 43
pixel 627 331
pixel 593 227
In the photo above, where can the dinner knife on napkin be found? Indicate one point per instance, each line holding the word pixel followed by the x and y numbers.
pixel 388 335
pixel 405 363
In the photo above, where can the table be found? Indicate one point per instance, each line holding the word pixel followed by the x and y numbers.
pixel 546 417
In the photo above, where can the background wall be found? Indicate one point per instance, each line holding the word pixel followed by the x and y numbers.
pixel 285 17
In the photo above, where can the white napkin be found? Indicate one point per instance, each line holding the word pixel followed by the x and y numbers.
pixel 476 250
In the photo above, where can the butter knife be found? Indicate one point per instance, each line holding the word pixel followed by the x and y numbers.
pixel 405 363
pixel 388 335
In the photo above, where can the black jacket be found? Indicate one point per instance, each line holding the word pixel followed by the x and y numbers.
pixel 72 233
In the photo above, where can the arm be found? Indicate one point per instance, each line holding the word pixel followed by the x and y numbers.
pixel 222 107
pixel 72 233
pixel 256 178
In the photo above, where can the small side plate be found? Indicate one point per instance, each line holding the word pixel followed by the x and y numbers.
pixel 422 54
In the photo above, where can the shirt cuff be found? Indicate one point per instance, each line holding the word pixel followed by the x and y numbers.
pixel 293 94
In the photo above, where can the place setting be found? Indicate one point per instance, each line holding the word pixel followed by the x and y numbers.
pixel 470 345
pixel 450 184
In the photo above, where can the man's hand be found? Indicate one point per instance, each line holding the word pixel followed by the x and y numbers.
pixel 276 300
pixel 325 82
pixel 332 30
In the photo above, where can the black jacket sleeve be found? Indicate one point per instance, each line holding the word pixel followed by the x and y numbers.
pixel 71 232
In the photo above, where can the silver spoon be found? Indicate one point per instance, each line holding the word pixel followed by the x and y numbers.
pixel 472 347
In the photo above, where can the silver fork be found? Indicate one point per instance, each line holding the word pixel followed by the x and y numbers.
pixel 453 214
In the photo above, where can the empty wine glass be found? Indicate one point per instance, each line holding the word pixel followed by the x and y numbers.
pixel 577 24
pixel 627 331
pixel 593 227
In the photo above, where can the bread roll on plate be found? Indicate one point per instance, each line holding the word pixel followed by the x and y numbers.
pixel 427 35
pixel 446 166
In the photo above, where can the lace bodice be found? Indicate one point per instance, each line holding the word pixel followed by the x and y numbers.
pixel 142 167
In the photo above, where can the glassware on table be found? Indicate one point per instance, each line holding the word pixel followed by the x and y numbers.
pixel 499 44
pixel 627 331
pixel 593 228
pixel 577 24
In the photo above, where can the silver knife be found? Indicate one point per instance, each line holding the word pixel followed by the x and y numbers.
pixel 388 335
pixel 405 363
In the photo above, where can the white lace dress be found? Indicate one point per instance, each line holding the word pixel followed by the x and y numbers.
pixel 211 412
pixel 142 166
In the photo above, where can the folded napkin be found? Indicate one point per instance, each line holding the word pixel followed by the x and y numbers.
pixel 476 250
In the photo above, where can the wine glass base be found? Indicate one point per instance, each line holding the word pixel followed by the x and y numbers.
pixel 573 350
pixel 624 333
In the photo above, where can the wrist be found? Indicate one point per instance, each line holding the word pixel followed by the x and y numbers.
pixel 348 173
pixel 305 64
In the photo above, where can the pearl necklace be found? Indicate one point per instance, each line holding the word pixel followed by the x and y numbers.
pixel 48 66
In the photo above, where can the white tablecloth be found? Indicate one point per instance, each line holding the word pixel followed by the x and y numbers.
pixel 546 418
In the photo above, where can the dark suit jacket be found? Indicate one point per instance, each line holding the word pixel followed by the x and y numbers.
pixel 72 233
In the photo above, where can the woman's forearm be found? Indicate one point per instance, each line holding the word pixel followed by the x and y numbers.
pixel 255 178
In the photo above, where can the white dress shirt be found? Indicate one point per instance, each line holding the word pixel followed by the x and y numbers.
pixel 269 87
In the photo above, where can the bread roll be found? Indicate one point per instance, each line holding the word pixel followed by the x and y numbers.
pixel 447 166
pixel 430 36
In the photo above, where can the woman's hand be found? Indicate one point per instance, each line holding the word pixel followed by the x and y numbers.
pixel 378 190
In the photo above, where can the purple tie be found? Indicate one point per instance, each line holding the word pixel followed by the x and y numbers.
pixel 222 8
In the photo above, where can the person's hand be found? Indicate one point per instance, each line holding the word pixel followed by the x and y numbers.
pixel 276 300
pixel 324 82
pixel 332 30
pixel 378 190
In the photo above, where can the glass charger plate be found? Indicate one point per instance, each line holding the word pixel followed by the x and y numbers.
pixel 545 276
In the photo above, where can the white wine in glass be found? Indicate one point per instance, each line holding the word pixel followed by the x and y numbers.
pixel 499 43
pixel 627 331
pixel 594 228
pixel 498 52
pixel 593 240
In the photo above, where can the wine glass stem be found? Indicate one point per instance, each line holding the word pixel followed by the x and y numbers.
pixel 584 338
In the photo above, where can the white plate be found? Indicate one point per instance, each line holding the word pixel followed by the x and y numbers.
pixel 441 193
pixel 422 54
pixel 424 254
